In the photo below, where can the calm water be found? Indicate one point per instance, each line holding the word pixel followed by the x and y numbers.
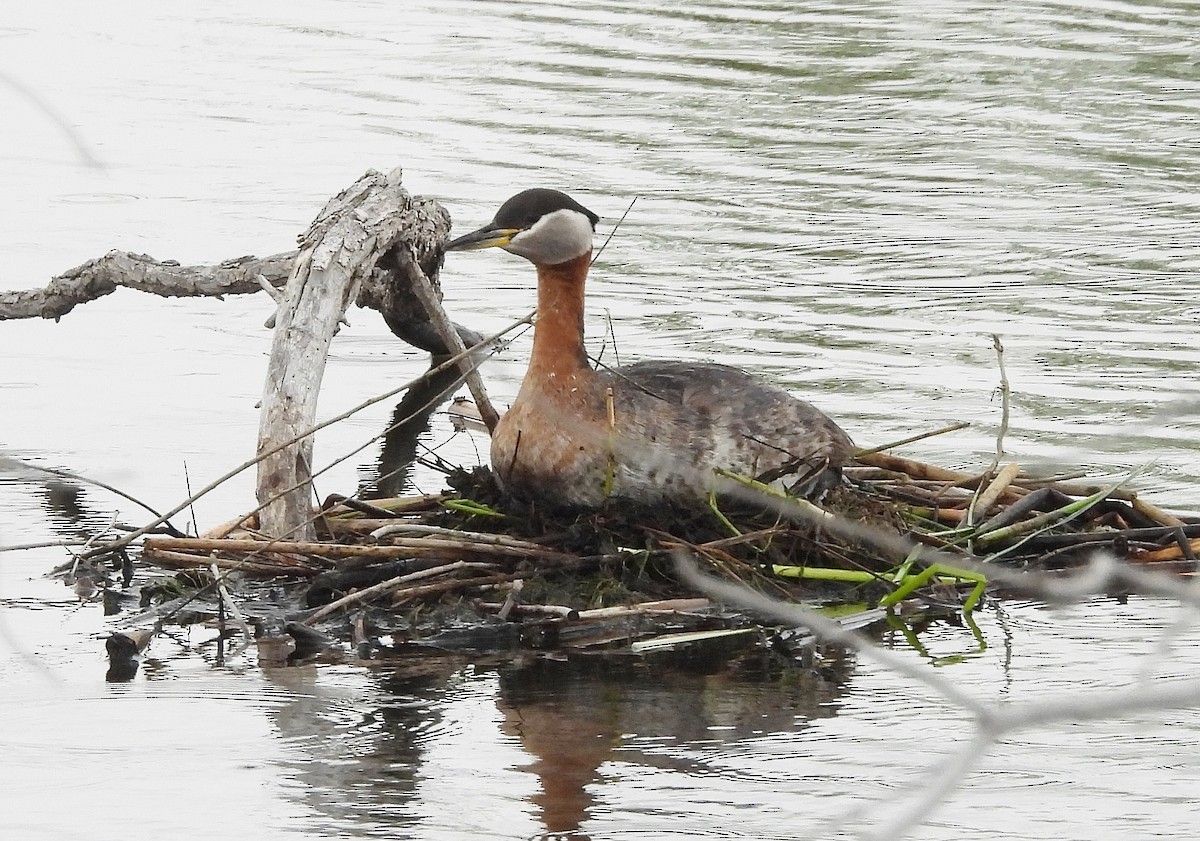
pixel 847 198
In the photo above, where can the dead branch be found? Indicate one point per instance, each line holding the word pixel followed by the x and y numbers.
pixel 385 288
pixel 166 278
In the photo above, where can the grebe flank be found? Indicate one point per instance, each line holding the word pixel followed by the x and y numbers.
pixel 655 431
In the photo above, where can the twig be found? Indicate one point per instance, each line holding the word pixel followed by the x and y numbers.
pixel 188 560
pixel 555 611
pixel 66 474
pixel 977 501
pixel 227 599
pixel 609 334
pixel 216 483
pixel 985 498
pixel 1005 394
pixel 374 592
pixel 954 427
pixel 45 544
pixel 398 548
pixel 422 590
pixel 613 232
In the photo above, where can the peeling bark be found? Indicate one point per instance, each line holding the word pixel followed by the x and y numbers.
pixel 385 290
pixel 341 248
pixel 103 275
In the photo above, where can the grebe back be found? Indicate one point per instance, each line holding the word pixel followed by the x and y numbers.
pixel 652 431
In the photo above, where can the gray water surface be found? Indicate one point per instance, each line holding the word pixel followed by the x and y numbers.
pixel 848 199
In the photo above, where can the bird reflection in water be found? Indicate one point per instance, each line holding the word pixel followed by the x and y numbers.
pixel 571 717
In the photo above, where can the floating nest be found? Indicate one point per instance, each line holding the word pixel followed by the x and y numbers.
pixel 465 570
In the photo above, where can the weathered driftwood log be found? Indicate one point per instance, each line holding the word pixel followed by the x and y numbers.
pixel 341 248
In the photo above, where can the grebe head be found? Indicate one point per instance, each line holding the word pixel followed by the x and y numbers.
pixel 544 226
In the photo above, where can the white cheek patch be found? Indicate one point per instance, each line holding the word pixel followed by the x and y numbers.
pixel 555 238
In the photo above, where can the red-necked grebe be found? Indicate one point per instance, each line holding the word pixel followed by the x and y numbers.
pixel 653 431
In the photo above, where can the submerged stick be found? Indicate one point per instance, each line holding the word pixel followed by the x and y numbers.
pixel 231 605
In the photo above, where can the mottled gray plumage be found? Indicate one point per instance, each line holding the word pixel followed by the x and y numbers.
pixel 653 431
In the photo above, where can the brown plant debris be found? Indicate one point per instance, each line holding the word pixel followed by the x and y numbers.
pixel 464 569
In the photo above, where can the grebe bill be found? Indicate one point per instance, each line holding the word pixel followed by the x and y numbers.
pixel 650 432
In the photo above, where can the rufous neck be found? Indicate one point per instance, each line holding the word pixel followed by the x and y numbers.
pixel 558 332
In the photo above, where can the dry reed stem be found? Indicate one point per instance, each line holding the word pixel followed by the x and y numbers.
pixel 1019 487
pixel 419 529
pixel 384 587
pixel 187 560
pixel 995 489
pixel 664 606
pixel 1155 513
pixel 414 547
pixel 399 597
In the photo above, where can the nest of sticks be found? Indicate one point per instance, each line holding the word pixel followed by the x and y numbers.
pixel 460 570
